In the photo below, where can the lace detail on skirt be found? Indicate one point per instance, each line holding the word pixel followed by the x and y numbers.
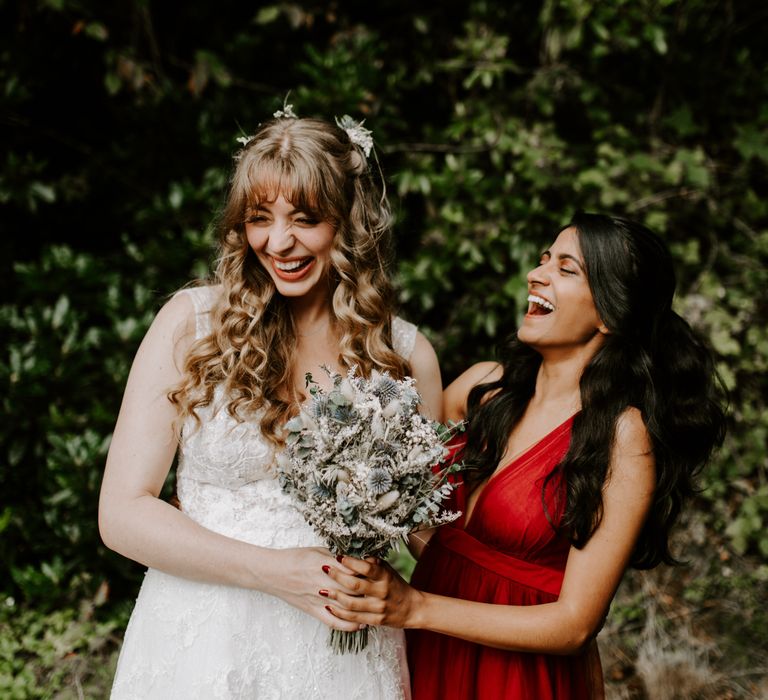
pixel 196 641
pixel 191 640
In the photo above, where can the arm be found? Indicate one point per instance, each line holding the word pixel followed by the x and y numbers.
pixel 426 372
pixel 456 394
pixel 591 577
pixel 136 523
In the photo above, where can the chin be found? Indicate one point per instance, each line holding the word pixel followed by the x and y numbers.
pixel 296 290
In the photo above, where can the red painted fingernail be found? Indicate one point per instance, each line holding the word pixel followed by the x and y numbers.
pixel 339 557
pixel 326 569
pixel 323 592
pixel 329 609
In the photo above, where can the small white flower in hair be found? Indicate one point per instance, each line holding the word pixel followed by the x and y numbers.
pixel 244 140
pixel 286 113
pixel 357 133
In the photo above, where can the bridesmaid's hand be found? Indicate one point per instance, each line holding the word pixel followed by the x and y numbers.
pixel 374 595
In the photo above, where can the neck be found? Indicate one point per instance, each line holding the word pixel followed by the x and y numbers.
pixel 557 381
pixel 310 316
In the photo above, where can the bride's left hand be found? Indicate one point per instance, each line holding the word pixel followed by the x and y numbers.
pixel 381 596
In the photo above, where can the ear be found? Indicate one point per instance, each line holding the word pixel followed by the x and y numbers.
pixel 602 328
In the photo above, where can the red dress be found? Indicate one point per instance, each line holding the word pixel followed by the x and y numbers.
pixel 508 554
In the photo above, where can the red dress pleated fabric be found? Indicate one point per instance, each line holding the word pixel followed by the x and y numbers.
pixel 509 554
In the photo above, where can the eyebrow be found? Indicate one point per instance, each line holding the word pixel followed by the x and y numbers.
pixel 261 207
pixel 565 256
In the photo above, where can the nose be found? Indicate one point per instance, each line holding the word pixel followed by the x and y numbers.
pixel 538 275
pixel 281 238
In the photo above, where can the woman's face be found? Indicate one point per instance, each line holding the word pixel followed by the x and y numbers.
pixel 292 245
pixel 561 311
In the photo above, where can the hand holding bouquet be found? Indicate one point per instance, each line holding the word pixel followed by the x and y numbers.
pixel 359 463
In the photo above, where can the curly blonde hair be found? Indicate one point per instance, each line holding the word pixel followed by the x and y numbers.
pixel 250 349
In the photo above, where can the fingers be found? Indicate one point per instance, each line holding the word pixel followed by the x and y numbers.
pixel 364 604
pixel 353 585
pixel 330 618
pixel 364 567
pixel 338 562
pixel 357 603
pixel 356 619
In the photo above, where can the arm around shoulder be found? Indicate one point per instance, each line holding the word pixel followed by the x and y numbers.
pixel 455 395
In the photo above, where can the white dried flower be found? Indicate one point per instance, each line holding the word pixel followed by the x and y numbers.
pixel 392 409
pixel 357 133
pixel 347 390
pixel 386 501
pixel 285 113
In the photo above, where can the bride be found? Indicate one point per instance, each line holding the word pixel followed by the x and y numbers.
pixel 233 604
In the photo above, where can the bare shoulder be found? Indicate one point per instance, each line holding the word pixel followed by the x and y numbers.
pixel 632 455
pixel 177 314
pixel 173 329
pixel 426 372
pixel 632 434
pixel 423 354
pixel 455 395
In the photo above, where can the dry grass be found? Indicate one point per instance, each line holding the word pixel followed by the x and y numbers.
pixel 689 633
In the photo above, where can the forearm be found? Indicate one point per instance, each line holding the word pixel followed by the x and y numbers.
pixel 155 534
pixel 550 628
pixel 418 540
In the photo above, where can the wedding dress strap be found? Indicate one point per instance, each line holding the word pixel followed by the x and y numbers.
pixel 403 337
pixel 202 299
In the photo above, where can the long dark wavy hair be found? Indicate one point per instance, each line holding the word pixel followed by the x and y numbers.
pixel 651 359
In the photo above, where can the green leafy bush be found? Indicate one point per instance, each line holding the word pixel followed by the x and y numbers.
pixel 495 122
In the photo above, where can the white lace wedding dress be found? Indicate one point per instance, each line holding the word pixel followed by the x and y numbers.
pixel 199 641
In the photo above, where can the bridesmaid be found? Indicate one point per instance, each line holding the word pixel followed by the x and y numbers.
pixel 581 448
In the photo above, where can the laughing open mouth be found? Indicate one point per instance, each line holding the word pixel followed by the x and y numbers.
pixel 538 306
pixel 292 265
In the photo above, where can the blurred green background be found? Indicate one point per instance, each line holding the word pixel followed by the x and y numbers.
pixel 494 121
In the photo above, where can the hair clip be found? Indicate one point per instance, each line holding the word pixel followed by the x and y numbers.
pixel 357 133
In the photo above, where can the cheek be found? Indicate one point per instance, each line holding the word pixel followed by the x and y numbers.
pixel 257 239
pixel 323 242
pixel 590 311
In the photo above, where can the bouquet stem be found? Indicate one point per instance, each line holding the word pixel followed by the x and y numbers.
pixel 348 642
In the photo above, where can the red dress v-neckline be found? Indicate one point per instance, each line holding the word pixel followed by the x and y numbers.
pixel 527 454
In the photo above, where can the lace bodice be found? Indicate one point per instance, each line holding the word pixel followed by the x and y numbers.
pixel 227 453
